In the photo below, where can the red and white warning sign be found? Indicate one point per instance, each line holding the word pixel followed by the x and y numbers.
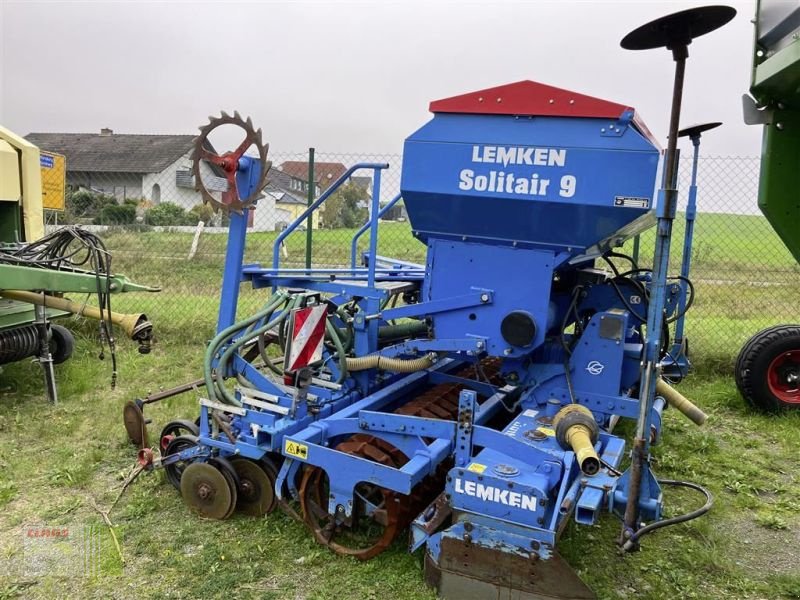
pixel 308 332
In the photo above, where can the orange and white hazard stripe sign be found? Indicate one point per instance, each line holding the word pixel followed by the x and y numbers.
pixel 308 333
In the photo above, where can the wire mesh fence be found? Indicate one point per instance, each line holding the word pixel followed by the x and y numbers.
pixel 160 233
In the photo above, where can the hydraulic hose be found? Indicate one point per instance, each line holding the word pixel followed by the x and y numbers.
pixel 387 363
pixel 234 347
pixel 227 333
pixel 343 360
pixel 637 535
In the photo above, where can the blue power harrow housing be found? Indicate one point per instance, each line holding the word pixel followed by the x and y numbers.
pixel 516 192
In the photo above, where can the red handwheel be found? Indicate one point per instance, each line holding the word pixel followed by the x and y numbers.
pixel 228 163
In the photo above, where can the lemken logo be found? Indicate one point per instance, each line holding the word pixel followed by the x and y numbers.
pixel 494 494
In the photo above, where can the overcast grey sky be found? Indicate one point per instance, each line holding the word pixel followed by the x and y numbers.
pixel 345 76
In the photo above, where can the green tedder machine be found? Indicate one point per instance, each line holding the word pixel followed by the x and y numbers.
pixel 37 269
pixel 768 367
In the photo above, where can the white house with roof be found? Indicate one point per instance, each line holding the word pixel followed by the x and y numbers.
pixel 155 168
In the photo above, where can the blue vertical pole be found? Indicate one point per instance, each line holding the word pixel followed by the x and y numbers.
pixel 248 172
pixel 639 469
pixel 688 236
pixel 373 225
pixel 231 277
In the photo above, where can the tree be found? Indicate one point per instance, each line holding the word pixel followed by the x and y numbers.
pixel 346 207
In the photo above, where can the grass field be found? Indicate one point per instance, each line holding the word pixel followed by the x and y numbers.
pixel 57 462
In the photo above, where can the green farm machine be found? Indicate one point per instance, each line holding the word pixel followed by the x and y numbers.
pixel 37 269
pixel 768 367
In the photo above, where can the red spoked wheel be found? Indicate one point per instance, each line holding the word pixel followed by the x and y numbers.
pixel 768 369
pixel 782 377
pixel 228 163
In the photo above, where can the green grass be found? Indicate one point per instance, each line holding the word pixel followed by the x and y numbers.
pixel 56 460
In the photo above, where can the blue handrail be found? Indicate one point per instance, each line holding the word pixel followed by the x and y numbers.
pixel 276 247
pixel 365 226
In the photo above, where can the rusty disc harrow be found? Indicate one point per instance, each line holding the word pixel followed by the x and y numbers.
pixel 379 515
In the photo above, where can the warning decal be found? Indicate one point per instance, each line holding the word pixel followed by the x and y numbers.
pixel 308 332
pixel 295 449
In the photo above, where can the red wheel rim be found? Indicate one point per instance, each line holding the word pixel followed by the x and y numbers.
pixel 783 377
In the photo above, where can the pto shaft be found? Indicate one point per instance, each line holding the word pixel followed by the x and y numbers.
pixel 680 402
pixel 577 430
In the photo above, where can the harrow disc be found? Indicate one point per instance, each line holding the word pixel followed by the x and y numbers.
pixel 135 425
pixel 208 491
pixel 256 491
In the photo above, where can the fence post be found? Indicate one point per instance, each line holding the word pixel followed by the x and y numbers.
pixel 310 222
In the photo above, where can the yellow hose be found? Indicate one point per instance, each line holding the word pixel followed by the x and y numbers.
pixel 387 363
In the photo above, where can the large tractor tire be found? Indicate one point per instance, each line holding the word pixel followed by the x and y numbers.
pixel 768 369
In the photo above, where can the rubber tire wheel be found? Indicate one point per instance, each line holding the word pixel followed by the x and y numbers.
pixel 173 472
pixel 753 363
pixel 62 343
pixel 176 428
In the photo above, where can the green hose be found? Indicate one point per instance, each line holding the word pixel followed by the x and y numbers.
pixel 228 332
pixel 234 347
pixel 334 335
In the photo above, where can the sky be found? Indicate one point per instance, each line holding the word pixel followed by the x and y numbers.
pixel 353 77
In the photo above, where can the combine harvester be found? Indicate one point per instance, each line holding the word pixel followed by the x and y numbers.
pixel 473 398
pixel 768 368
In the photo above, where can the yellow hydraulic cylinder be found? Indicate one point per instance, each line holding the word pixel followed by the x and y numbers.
pixel 576 429
pixel 678 401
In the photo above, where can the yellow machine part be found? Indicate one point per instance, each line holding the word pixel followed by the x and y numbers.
pixel 25 172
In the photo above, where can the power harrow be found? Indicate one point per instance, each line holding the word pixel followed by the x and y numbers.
pixel 470 400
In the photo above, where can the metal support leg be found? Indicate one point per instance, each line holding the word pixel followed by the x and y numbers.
pixel 467 400
pixel 45 358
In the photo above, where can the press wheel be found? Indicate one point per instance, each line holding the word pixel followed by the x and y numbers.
pixel 208 491
pixel 256 491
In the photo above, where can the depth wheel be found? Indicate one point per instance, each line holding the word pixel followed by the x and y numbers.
pixel 373 524
pixel 768 369
pixel 208 491
pixel 174 471
pixel 256 491
pixel 174 429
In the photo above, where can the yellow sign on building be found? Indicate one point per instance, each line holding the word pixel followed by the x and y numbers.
pixel 54 180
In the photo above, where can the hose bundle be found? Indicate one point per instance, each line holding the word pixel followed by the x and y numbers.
pixel 73 249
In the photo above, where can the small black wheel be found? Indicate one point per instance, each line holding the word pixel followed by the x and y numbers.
pixel 62 343
pixel 174 471
pixel 174 429
pixel 768 369
pixel 256 492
